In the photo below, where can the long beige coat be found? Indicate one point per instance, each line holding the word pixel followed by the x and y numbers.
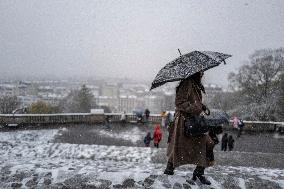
pixel 187 150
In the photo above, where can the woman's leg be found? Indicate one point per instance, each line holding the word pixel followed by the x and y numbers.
pixel 199 173
pixel 210 144
pixel 199 170
pixel 170 168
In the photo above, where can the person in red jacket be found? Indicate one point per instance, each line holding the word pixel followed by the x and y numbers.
pixel 157 136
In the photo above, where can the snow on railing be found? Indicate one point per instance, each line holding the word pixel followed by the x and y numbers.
pixel 59 114
pixel 262 122
pixel 114 117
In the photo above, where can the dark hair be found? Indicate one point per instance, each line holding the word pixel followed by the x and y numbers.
pixel 196 79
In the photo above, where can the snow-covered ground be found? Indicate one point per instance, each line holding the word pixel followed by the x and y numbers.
pixel 31 159
pixel 132 135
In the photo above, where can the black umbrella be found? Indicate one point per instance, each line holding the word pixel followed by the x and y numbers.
pixel 217 117
pixel 187 65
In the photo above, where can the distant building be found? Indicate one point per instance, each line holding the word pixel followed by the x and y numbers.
pixel 118 96
pixel 111 102
pixel 95 90
pixel 169 101
pixel 7 89
pixel 28 100
pixel 110 90
pixel 127 103
pixel 154 103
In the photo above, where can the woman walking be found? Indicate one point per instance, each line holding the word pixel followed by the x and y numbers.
pixel 157 136
pixel 231 142
pixel 224 141
pixel 183 149
pixel 147 139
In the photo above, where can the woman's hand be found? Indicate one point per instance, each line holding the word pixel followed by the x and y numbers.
pixel 205 109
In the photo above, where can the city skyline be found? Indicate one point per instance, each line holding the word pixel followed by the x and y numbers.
pixel 115 95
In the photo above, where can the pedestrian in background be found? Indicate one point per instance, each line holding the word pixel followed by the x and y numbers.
pixel 139 116
pixel 147 139
pixel 147 114
pixel 169 119
pixel 240 127
pixel 163 122
pixel 107 122
pixel 213 132
pixel 235 122
pixel 224 143
pixel 123 117
pixel 231 143
pixel 157 136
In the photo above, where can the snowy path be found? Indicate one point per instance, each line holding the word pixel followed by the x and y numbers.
pixel 31 159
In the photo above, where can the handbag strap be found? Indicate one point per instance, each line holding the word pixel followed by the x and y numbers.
pixel 198 96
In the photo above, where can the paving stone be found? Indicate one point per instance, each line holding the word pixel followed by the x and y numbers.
pixel 128 183
pixel 47 181
pixel 77 181
pixel 177 186
pixel 16 184
pixel 32 182
pixel 186 186
pixel 148 182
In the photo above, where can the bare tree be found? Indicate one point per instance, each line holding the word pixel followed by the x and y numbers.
pixel 281 99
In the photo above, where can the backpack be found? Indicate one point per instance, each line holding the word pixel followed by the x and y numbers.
pixel 241 124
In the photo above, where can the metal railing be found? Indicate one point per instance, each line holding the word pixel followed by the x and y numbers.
pixel 90 118
pixel 261 126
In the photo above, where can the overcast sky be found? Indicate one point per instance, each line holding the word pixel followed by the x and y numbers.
pixel 131 38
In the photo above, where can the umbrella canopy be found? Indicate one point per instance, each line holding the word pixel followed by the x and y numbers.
pixel 217 117
pixel 187 65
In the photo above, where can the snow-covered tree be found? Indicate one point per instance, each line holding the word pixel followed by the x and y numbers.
pixel 78 101
pixel 258 83
pixel 85 99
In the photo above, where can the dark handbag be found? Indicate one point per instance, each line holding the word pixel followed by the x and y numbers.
pixel 195 126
